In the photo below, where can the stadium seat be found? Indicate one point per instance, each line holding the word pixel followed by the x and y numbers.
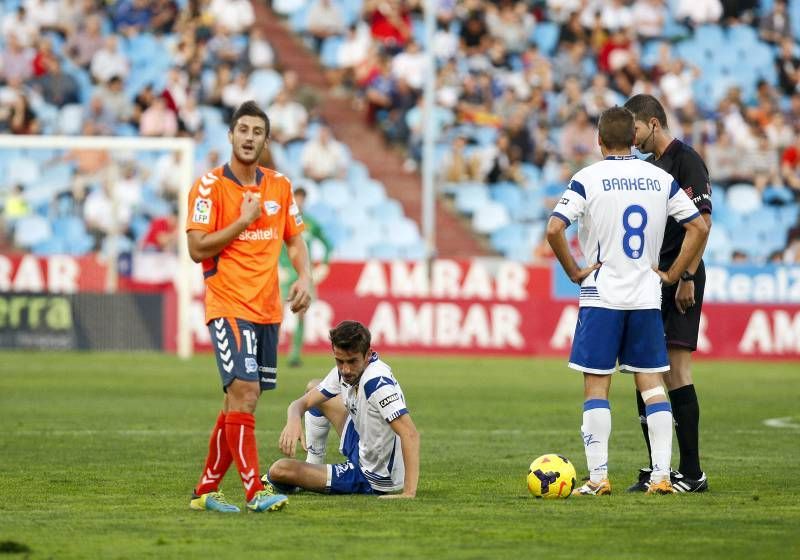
pixel 504 239
pixel 533 175
pixel 24 171
pixel 357 172
pixel 389 210
pixel 490 217
pixel 521 253
pixel 777 195
pixel 710 36
pixel 335 193
pixel 32 230
pixel 58 177
pixel 470 197
pixel 414 252
pixel 742 36
pixel 298 19
pixel 352 249
pixel 719 249
pixel 70 119
pixel 266 83
pixel 322 212
pixel 329 54
pixel 384 252
pixel 369 193
pixel 507 194
pixel 50 246
pixel 545 35
pixel 401 232
pixel 288 7
pixel 743 198
pixel 531 208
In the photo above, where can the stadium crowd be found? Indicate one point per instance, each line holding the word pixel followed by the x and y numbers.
pixel 519 87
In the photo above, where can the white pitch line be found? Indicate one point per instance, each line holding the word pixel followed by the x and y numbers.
pixel 784 422
pixel 435 431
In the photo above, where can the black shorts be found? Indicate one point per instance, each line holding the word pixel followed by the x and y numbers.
pixel 246 351
pixel 681 329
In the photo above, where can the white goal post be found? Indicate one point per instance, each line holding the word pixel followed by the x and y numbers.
pixel 185 177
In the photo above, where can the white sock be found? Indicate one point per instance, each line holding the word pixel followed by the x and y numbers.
pixel 596 431
pixel 317 427
pixel 659 426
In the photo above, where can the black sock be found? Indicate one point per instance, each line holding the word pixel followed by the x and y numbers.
pixel 686 411
pixel 643 421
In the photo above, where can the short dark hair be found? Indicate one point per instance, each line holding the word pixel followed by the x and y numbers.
pixel 300 191
pixel 616 128
pixel 249 109
pixel 351 336
pixel 645 107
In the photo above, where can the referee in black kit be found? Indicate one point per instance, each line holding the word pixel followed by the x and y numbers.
pixel 681 302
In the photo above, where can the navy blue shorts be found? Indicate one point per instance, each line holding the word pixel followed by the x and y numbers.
pixel 634 338
pixel 347 478
pixel 246 351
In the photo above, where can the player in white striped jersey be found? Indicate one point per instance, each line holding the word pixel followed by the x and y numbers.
pixel 364 402
pixel 622 205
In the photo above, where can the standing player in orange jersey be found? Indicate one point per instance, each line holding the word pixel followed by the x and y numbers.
pixel 239 216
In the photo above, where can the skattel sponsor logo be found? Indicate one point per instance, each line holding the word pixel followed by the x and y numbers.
pixel 388 400
pixel 258 235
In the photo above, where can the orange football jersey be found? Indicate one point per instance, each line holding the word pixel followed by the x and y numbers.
pixel 242 281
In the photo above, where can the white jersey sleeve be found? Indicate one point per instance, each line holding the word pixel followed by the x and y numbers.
pixel 680 205
pixel 572 205
pixel 331 385
pixel 383 393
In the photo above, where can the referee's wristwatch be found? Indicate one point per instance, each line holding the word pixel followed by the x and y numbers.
pixel 687 276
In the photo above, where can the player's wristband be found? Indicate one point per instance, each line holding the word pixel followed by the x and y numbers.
pixel 687 276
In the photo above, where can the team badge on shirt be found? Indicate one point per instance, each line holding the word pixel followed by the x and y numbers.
pixel 202 211
pixel 271 207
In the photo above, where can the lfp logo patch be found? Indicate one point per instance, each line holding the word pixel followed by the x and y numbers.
pixel 271 207
pixel 202 211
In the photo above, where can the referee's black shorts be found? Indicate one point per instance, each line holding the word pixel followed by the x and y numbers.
pixel 681 329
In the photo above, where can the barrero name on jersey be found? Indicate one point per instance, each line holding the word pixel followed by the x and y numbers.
pixel 258 234
pixel 631 184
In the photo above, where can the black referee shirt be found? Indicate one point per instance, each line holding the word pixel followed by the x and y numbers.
pixel 688 169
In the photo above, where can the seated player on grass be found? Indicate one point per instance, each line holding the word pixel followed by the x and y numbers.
pixel 366 405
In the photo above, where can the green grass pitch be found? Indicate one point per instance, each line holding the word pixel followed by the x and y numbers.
pixel 99 452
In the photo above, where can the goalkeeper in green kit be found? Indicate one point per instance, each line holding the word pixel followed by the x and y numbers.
pixel 289 276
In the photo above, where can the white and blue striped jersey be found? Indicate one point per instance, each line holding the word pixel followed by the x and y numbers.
pixel 622 205
pixel 372 404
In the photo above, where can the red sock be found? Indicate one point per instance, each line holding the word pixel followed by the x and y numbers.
pixel 240 428
pixel 218 460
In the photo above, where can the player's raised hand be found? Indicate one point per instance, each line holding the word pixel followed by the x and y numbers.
pixel 250 209
pixel 581 274
pixel 300 295
pixel 289 436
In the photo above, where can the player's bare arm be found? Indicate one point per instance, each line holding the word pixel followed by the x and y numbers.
pixel 293 430
pixel 409 442
pixel 684 296
pixel 300 292
pixel 204 245
pixel 696 237
pixel 558 242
